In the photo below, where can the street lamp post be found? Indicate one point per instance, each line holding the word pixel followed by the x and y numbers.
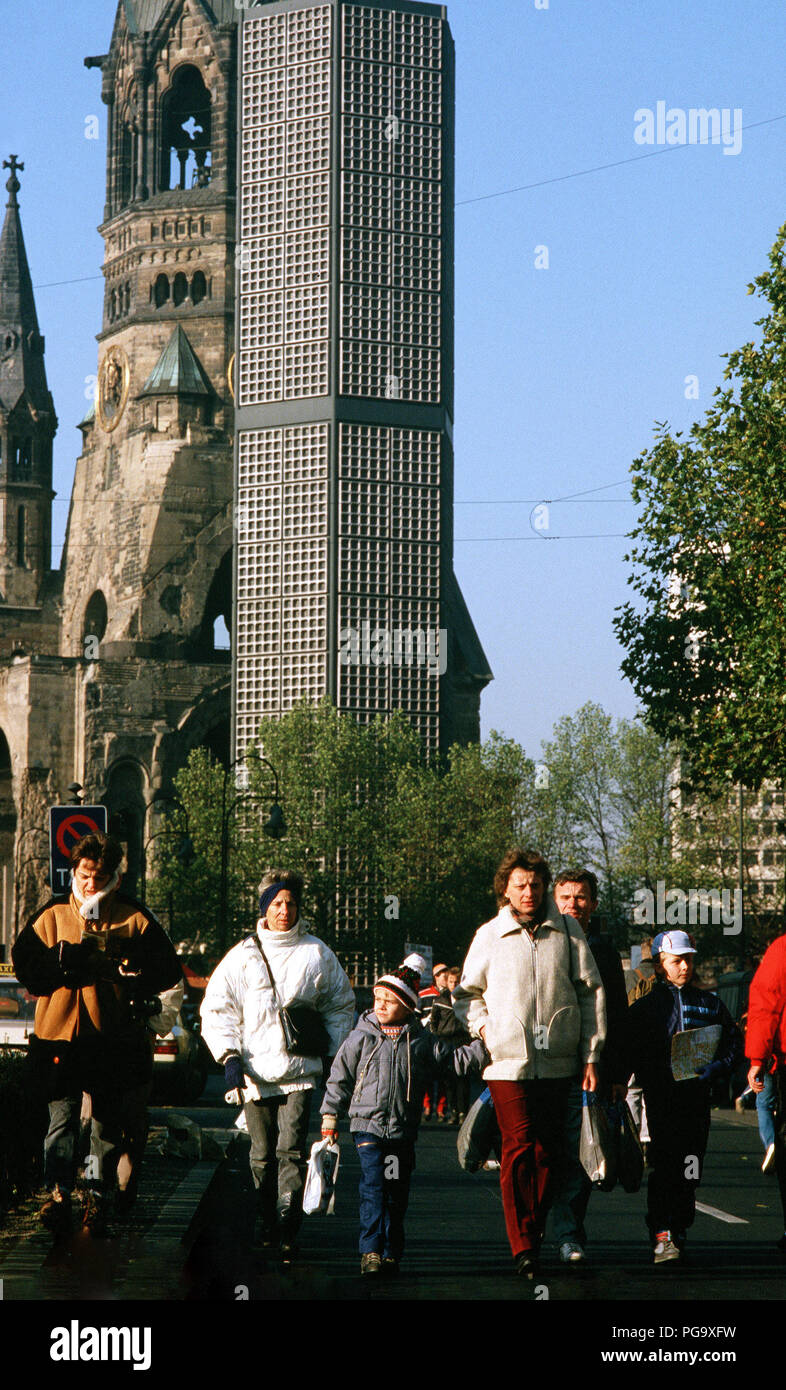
pixel 18 865
pixel 186 845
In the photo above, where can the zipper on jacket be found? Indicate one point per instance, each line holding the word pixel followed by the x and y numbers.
pixel 366 1066
pixel 390 1089
pixel 534 965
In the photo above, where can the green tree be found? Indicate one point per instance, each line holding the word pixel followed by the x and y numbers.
pixel 450 827
pixel 338 782
pixel 706 644
pixel 391 848
pixel 186 873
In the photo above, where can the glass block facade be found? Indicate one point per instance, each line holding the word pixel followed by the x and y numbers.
pixel 344 354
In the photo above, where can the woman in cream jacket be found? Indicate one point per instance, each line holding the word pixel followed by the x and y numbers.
pixel 531 990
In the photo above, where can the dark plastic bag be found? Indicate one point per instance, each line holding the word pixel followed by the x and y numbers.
pixel 478 1135
pixel 630 1155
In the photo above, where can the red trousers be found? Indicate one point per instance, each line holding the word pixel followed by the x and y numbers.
pixel 531 1117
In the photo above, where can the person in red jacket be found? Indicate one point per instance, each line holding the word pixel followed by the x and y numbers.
pixel 765 1042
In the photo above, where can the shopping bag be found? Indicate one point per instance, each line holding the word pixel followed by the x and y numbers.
pixel 479 1134
pixel 597 1147
pixel 319 1193
pixel 630 1155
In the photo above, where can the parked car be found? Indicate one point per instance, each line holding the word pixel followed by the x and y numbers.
pixel 179 1065
pixel 17 1010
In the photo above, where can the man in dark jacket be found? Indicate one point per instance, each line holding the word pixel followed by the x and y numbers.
pixel 97 960
pixel 576 895
pixel 678 1109
pixel 443 1022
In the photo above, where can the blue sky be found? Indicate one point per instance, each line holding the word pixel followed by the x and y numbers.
pixel 561 371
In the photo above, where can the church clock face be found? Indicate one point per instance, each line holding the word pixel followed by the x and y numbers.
pixel 114 379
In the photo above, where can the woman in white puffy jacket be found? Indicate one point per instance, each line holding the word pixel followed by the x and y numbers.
pixel 242 1027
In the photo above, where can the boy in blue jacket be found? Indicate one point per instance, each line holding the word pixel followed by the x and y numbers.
pixel 678 1112
pixel 380 1074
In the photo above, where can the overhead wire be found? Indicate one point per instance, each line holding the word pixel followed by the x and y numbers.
pixel 519 188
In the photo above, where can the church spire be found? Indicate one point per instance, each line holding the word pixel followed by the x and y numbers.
pixel 21 345
pixel 27 420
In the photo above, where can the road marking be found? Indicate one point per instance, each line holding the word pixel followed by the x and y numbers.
pixel 721 1215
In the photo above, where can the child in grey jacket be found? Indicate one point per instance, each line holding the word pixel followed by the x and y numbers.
pixel 379 1075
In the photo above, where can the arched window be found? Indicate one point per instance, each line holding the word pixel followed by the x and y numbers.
pixel 161 290
pixel 113 306
pixel 126 165
pixel 24 465
pixel 186 132
pixel 213 638
pixel 125 802
pixel 198 287
pixel 94 623
pixel 179 288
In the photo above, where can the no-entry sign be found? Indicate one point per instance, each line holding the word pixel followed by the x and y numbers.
pixel 67 825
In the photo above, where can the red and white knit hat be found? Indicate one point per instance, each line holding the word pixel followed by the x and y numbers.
pixel 404 982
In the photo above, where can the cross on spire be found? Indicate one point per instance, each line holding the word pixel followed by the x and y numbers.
pixel 13 185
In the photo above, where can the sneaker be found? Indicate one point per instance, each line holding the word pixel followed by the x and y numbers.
pixel 769 1159
pixel 571 1253
pixel 665 1248
pixel 491 1165
pixel 389 1265
pixel 94 1214
pixel 526 1264
pixel 56 1214
pixel 371 1263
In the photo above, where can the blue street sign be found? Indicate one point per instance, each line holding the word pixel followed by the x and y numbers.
pixel 67 825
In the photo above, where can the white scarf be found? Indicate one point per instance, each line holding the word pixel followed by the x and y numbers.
pixel 89 907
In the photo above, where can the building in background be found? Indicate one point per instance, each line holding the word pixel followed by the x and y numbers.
pixel 116 665
pixel 113 666
pixel 344 370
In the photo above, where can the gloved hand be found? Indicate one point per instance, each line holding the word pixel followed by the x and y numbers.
pixel 143 1009
pixel 79 961
pixel 330 1128
pixel 710 1072
pixel 234 1080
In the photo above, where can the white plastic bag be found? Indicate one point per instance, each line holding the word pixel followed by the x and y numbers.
pixel 596 1148
pixel 319 1193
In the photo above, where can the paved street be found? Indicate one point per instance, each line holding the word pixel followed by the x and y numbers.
pixel 457 1247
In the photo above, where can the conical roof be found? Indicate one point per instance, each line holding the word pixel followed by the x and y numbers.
pixel 178 371
pixel 21 345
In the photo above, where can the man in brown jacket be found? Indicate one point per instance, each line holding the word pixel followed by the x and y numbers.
pixel 97 959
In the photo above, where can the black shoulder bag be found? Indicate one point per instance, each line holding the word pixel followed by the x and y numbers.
pixel 305 1035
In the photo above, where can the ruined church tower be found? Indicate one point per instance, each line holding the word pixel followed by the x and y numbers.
pixel 116 666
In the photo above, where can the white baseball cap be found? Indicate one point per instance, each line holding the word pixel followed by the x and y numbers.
pixel 674 943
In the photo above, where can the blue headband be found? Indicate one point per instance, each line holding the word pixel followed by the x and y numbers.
pixel 268 894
